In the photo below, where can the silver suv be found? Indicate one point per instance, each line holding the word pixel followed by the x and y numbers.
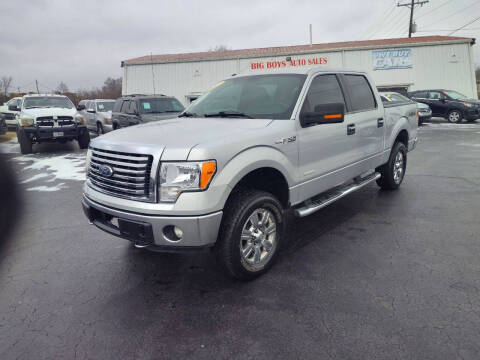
pixel 224 173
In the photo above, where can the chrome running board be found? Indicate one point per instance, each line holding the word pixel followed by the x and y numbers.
pixel 320 201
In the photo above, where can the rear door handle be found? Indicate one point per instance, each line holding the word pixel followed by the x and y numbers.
pixel 380 122
pixel 351 129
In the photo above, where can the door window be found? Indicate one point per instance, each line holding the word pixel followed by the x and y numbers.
pixel 361 94
pixel 132 108
pixel 125 106
pixel 324 89
pixel 436 95
pixel 420 95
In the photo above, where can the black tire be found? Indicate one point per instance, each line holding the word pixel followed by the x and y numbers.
pixel 455 117
pixel 83 139
pixel 24 141
pixel 115 126
pixel 237 214
pixel 100 130
pixel 388 181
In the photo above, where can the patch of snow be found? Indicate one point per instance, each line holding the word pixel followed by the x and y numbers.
pixel 61 167
pixel 48 188
pixel 10 147
pixel 35 177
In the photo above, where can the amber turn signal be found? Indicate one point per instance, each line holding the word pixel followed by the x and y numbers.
pixel 208 170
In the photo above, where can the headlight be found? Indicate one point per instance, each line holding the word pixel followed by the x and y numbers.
pixel 79 119
pixel 179 177
pixel 468 104
pixel 26 120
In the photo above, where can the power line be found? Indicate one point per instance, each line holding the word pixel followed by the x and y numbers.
pixel 412 7
pixel 383 19
pixel 478 28
pixel 438 7
pixel 460 28
pixel 452 15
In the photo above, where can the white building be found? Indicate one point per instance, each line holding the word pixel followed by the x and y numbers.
pixel 403 64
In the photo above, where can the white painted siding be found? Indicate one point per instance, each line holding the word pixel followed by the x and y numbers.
pixel 434 66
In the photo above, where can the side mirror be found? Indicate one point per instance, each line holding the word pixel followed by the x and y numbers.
pixel 13 108
pixel 323 114
pixel 443 100
pixel 80 107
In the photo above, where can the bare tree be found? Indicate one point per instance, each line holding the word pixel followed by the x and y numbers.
pixel 6 83
pixel 62 88
pixel 112 88
pixel 219 48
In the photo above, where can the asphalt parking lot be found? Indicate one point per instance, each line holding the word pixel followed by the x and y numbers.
pixel 377 275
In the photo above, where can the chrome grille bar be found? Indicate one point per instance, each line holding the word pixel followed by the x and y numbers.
pixel 130 178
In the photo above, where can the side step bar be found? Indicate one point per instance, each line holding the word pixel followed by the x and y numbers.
pixel 322 200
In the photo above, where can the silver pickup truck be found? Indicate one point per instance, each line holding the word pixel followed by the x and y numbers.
pixel 226 171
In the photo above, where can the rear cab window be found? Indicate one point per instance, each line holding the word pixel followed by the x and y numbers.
pixel 361 94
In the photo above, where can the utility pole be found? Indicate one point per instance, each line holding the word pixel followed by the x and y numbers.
pixel 412 6
pixel 36 83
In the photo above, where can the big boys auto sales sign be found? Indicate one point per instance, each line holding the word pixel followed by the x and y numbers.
pixel 392 59
pixel 281 64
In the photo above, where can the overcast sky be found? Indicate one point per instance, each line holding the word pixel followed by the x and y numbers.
pixel 83 42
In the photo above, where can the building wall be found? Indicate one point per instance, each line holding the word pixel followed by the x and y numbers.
pixel 435 66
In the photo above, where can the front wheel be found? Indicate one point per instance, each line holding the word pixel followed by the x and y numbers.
pixel 454 117
pixel 25 142
pixel 393 172
pixel 100 130
pixel 84 139
pixel 251 234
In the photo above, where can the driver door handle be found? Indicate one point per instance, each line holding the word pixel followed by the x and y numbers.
pixel 351 129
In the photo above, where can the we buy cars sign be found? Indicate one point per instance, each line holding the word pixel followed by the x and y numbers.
pixel 281 64
pixel 392 59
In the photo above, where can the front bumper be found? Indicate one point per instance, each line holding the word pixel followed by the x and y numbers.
pixel 149 230
pixel 471 114
pixel 52 133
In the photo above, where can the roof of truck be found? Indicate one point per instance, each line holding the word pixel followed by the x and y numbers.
pixel 296 49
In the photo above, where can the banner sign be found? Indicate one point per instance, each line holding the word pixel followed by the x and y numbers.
pixel 392 59
pixel 279 64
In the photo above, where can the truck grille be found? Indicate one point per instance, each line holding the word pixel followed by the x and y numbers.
pixel 130 178
pixel 49 121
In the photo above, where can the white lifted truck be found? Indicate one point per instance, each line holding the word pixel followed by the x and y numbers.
pixel 48 118
pixel 224 173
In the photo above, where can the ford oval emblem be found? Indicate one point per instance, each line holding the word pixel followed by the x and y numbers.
pixel 105 170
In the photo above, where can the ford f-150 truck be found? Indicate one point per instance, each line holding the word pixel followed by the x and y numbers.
pixel 224 173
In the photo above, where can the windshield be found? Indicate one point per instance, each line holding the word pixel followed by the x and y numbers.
pixel 160 105
pixel 47 101
pixel 259 96
pixel 397 97
pixel 454 95
pixel 105 106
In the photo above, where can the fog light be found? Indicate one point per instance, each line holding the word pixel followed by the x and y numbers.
pixel 178 232
pixel 172 233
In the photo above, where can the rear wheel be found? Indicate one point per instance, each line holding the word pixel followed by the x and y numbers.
pixel 251 234
pixel 454 117
pixel 393 171
pixel 84 139
pixel 24 141
pixel 100 130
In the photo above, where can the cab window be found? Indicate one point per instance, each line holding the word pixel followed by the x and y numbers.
pixel 361 94
pixel 324 89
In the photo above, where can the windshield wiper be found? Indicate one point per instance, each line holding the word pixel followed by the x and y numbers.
pixel 187 114
pixel 229 114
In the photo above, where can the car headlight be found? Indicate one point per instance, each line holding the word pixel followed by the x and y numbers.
pixel 467 104
pixel 26 120
pixel 79 119
pixel 178 177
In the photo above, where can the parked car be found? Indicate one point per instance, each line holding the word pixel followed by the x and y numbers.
pixel 225 172
pixel 424 111
pixel 9 114
pixel 139 109
pixel 97 114
pixel 3 124
pixel 48 118
pixel 448 104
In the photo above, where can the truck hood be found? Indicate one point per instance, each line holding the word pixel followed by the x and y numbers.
pixel 49 112
pixel 162 116
pixel 176 137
